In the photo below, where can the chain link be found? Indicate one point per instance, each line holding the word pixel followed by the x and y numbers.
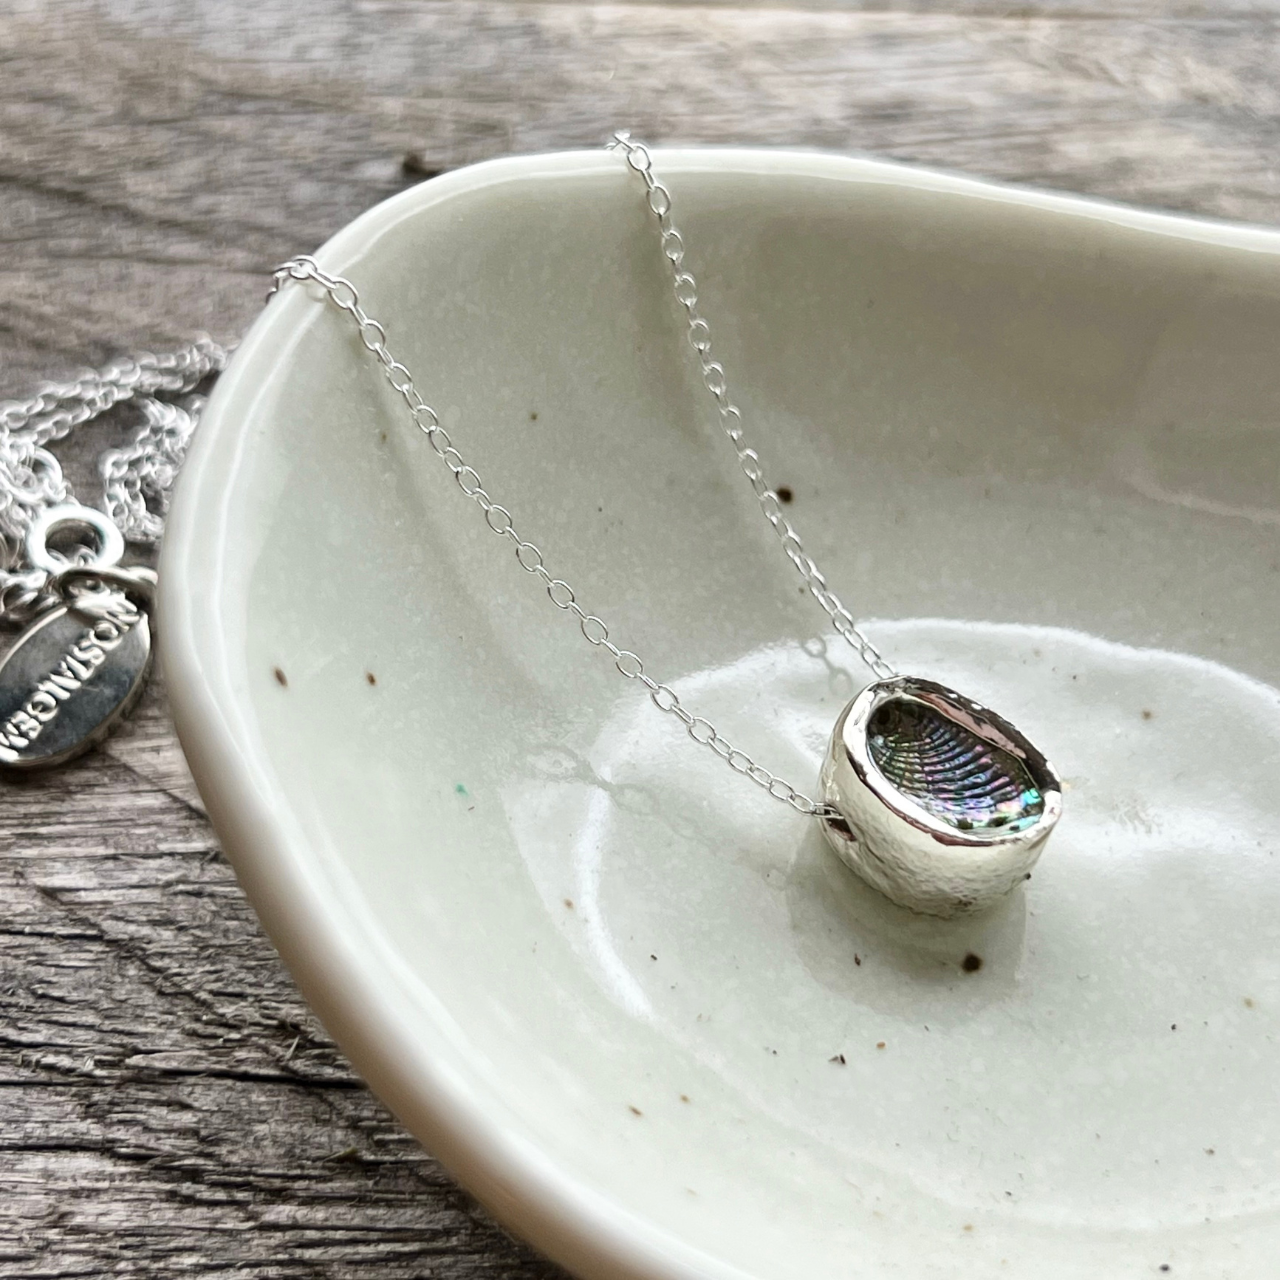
pixel 640 161
pixel 343 294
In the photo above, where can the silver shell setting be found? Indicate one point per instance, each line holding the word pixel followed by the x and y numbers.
pixel 944 807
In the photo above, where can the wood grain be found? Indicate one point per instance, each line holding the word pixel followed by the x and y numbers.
pixel 169 1103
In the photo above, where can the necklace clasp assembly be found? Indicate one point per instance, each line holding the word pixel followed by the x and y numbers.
pixel 80 665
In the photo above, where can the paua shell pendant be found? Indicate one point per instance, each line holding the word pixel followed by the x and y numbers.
pixel 942 805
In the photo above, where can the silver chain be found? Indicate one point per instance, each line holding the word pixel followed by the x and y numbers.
pixel 713 377
pixel 137 478
pixel 342 293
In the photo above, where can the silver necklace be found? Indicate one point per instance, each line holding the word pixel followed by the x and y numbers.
pixel 84 650
pixel 928 796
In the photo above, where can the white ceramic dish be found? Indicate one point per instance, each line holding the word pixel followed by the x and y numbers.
pixel 601 977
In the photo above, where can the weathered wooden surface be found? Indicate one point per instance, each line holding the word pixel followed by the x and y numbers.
pixel 168 1102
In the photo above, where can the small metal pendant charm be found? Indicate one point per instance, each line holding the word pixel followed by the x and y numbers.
pixel 943 805
pixel 69 678
pixel 79 666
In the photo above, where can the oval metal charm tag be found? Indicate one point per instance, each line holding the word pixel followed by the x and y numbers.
pixel 72 674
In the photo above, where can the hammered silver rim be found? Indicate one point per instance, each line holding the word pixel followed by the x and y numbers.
pixel 981 721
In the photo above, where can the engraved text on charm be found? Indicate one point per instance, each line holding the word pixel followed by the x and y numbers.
pixel 72 674
pixel 943 805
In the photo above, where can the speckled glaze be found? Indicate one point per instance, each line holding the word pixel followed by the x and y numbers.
pixel 638 1008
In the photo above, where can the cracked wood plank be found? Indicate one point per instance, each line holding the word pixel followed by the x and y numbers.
pixel 168 1101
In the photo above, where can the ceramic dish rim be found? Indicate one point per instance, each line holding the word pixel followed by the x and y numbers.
pixel 525 1188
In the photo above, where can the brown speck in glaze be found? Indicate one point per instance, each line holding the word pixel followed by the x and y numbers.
pixel 968 1226
pixel 839 1058
pixel 370 677
pixel 684 1097
pixel 784 493
pixel 1248 1002
pixel 635 1111
pixel 971 963
pixel 568 902
pixel 857 959
pixel 1146 715
pixel 880 1045
pixel 533 415
pixel 281 679
pixel 652 957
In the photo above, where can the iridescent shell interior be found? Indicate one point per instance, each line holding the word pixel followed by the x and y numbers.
pixel 949 770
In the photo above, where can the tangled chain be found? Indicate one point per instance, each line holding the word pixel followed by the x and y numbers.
pixel 137 478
